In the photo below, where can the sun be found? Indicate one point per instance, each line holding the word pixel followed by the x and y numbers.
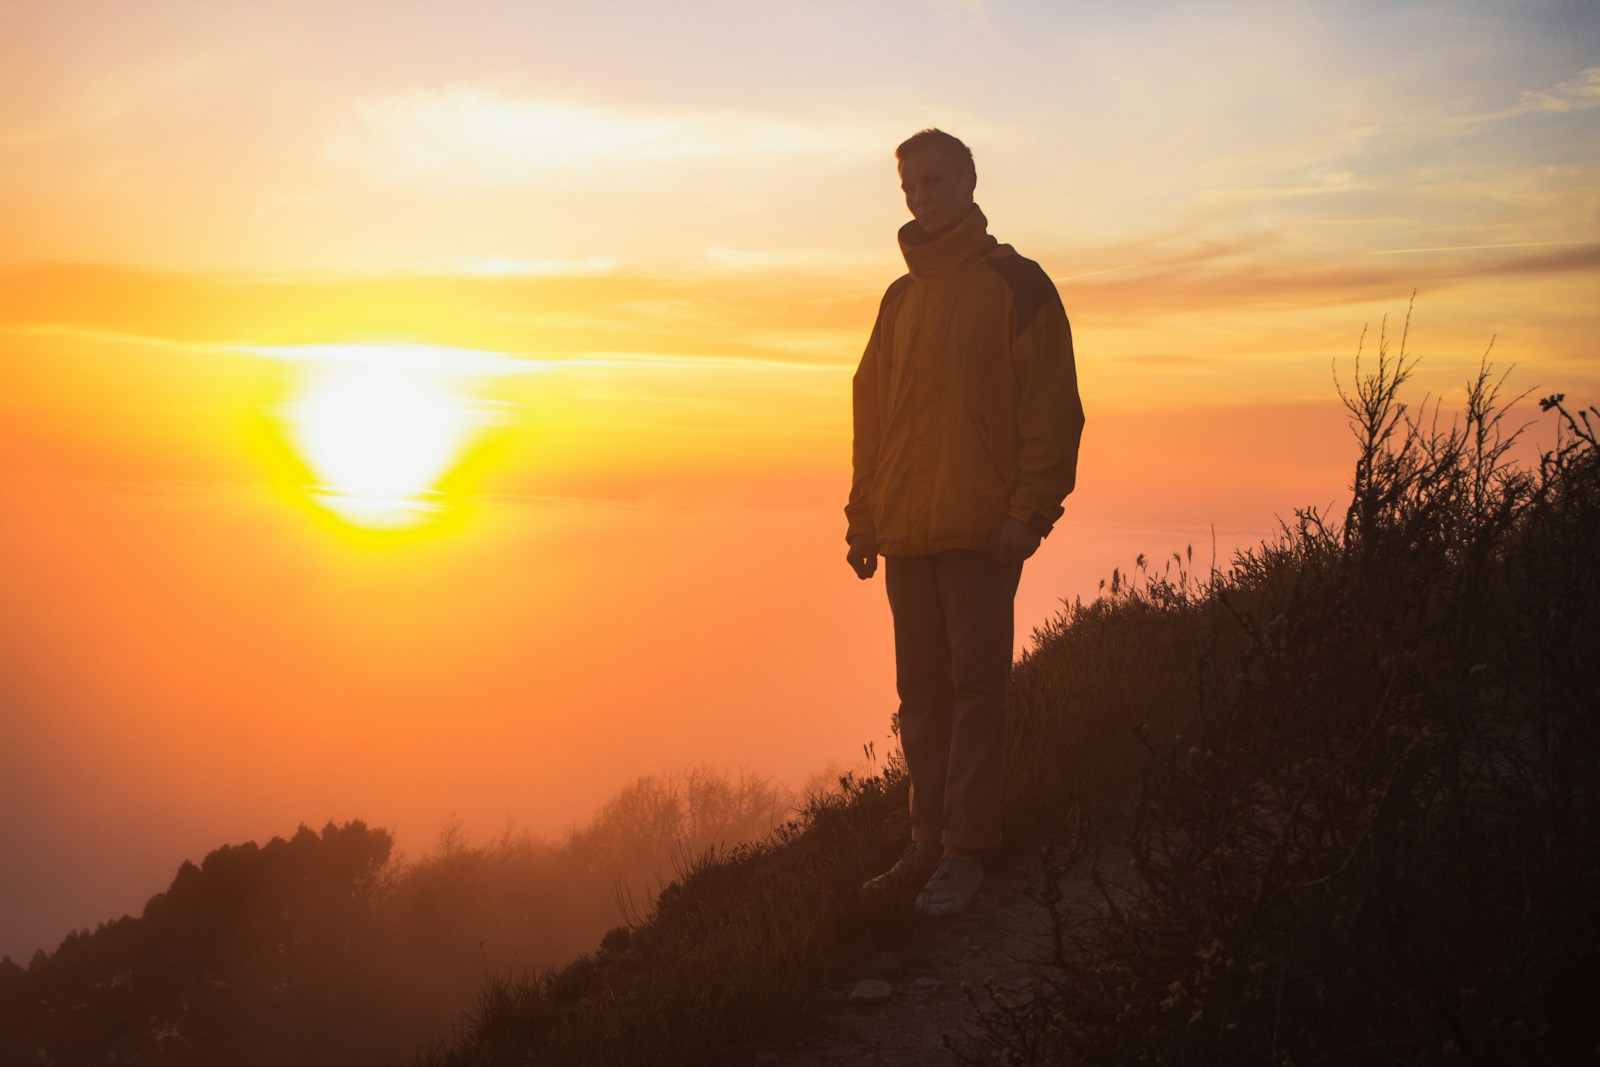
pixel 379 439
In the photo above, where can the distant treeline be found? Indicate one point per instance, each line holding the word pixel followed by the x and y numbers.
pixel 327 949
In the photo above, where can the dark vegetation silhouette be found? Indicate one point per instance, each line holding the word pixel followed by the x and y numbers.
pixel 327 949
pixel 1369 829
pixel 1357 771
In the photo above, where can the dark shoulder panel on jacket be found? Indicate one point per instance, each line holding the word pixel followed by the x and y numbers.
pixel 892 295
pixel 888 308
pixel 1031 287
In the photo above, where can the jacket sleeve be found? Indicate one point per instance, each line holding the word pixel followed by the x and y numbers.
pixel 864 443
pixel 1049 418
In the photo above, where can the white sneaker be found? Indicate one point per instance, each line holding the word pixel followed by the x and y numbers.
pixel 952 886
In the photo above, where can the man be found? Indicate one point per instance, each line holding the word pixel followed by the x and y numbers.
pixel 967 422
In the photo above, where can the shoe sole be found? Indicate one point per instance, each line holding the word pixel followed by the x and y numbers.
pixel 940 911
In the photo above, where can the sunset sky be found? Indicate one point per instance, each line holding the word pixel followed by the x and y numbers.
pixel 414 410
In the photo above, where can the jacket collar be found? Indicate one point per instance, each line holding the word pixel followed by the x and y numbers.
pixel 939 256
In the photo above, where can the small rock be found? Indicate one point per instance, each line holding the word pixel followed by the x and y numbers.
pixel 925 984
pixel 871 991
pixel 766 1057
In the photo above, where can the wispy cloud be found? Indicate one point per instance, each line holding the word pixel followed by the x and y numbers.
pixel 1473 248
pixel 746 314
pixel 501 266
pixel 971 12
pixel 765 259
pixel 1191 275
pixel 483 138
pixel 406 357
pixel 1579 93
pixel 105 100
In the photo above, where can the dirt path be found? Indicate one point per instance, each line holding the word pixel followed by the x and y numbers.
pixel 1000 940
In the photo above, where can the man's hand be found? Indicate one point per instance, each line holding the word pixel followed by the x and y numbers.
pixel 1014 542
pixel 863 556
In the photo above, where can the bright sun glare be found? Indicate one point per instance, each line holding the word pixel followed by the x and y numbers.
pixel 379 439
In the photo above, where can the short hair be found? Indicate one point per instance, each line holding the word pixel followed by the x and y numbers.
pixel 924 140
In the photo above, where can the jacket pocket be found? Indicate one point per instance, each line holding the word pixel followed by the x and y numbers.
pixel 980 426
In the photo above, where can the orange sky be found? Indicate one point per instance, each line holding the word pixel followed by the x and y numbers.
pixel 638 254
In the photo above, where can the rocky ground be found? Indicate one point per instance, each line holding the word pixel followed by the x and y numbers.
pixel 921 994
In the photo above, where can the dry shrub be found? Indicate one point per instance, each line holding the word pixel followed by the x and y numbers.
pixel 1372 834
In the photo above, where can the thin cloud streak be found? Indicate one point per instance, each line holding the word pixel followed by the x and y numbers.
pixel 1468 248
pixel 1578 93
pixel 1180 287
pixel 727 313
pixel 403 356
pixel 109 99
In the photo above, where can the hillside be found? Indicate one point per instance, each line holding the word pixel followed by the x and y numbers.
pixel 1355 775
pixel 1337 802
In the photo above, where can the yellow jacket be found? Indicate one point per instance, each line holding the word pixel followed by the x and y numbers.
pixel 966 400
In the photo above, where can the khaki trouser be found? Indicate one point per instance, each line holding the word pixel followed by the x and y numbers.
pixel 953 619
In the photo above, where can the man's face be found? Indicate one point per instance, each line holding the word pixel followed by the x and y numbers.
pixel 938 190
